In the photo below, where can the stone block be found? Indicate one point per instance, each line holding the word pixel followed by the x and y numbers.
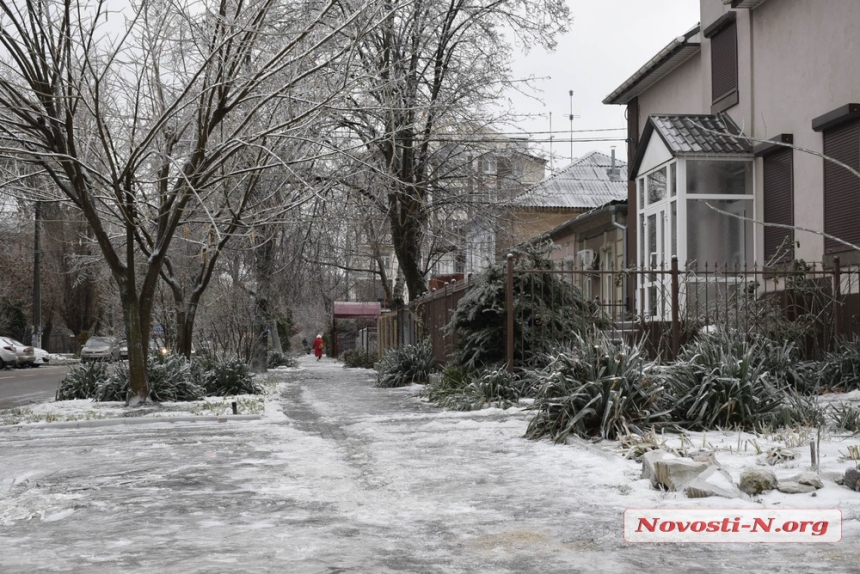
pixel 674 474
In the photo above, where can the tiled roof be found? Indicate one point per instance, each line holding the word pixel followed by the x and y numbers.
pixel 700 134
pixel 584 184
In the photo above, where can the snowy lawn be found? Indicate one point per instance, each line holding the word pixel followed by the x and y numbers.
pixel 338 476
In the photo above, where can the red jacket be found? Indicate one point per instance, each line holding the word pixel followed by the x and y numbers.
pixel 319 346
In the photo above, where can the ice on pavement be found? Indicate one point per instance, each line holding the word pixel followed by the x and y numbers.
pixel 339 476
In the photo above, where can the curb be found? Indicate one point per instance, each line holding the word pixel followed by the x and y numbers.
pixel 128 421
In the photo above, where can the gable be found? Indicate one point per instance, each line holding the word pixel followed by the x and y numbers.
pixel 656 153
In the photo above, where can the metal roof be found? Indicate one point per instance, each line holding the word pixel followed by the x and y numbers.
pixel 352 310
pixel 673 55
pixel 584 184
pixel 700 134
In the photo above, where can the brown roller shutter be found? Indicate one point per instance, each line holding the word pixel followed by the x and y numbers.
pixel 724 62
pixel 841 187
pixel 778 202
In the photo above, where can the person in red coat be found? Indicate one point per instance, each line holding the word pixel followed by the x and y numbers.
pixel 319 347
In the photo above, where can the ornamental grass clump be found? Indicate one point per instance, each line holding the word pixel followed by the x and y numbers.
pixel 405 365
pixel 226 377
pixel 81 381
pixel 845 417
pixel 721 382
pixel 275 359
pixel 597 388
pixel 840 369
pixel 358 359
pixel 464 390
pixel 170 379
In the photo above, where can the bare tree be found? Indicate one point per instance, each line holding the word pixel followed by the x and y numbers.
pixel 433 72
pixel 134 115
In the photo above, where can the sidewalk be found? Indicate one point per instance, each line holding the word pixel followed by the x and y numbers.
pixel 339 476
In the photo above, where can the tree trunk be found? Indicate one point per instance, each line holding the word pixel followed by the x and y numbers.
pixel 406 237
pixel 137 347
pixel 263 255
pixel 276 338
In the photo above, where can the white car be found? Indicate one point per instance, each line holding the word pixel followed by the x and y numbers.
pixel 23 353
pixel 41 356
pixel 8 358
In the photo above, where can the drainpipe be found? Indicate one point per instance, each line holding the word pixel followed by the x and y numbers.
pixel 623 228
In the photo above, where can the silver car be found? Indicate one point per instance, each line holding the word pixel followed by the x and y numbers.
pixel 100 349
pixel 24 356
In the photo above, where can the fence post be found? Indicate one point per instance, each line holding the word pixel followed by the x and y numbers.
pixel 676 326
pixel 509 308
pixel 837 297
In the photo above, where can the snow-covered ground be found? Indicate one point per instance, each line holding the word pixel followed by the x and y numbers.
pixel 338 476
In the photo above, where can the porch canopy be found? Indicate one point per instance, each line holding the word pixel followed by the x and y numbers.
pixel 356 310
pixel 352 310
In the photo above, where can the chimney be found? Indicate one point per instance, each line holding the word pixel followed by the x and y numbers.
pixel 613 172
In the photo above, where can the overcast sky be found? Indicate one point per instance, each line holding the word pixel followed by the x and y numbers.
pixel 608 41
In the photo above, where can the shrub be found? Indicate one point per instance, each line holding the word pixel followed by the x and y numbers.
pixel 81 381
pixel 357 359
pixel 597 389
pixel 840 369
pixel 719 381
pixel 462 390
pixel 170 378
pixel 405 365
pixel 276 359
pixel 226 377
pixel 546 308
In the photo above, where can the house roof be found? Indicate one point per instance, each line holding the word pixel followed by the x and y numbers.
pixel 584 184
pixel 673 55
pixel 700 134
pixel 694 134
pixel 614 206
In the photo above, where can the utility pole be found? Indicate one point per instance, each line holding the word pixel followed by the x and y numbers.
pixel 571 125
pixel 37 280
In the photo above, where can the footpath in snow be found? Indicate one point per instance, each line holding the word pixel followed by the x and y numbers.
pixel 339 476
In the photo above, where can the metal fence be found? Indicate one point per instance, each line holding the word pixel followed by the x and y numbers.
pixel 811 305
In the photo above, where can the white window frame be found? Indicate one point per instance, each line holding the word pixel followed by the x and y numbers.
pixel 664 239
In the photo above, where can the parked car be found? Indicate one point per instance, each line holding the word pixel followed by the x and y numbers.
pixel 41 356
pixel 100 349
pixel 8 358
pixel 24 356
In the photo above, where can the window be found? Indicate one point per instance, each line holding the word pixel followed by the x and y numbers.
pixel 841 187
pixel 489 164
pixel 841 129
pixel 657 185
pixel 778 205
pixel 723 34
pixel 717 177
pixel 715 238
